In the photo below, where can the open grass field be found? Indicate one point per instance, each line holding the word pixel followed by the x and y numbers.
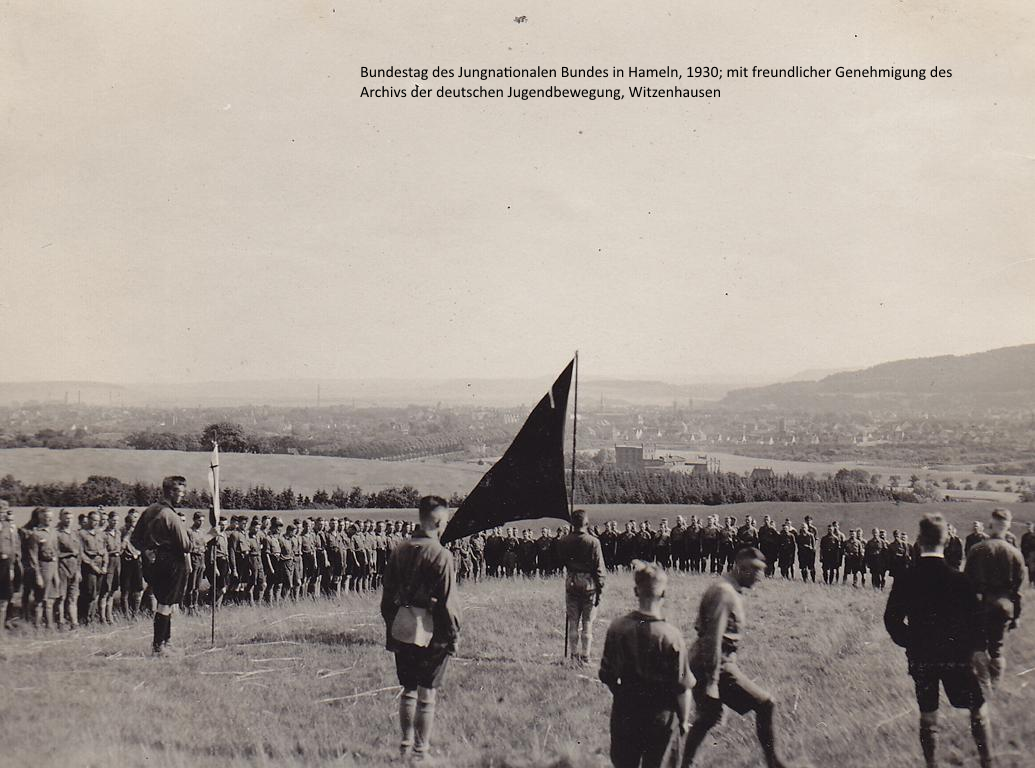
pixel 304 474
pixel 309 684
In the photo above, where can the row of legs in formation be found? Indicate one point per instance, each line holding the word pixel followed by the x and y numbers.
pixel 278 591
pixel 75 608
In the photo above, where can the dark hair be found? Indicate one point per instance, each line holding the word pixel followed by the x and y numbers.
pixel 36 518
pixel 750 553
pixel 579 518
pixel 172 481
pixel 933 531
pixel 429 504
pixel 999 513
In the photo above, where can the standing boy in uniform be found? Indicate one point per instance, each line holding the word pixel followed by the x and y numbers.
pixel 162 539
pixel 645 666
pixel 997 570
pixel 422 623
pixel 580 555
pixel 933 612
pixel 10 559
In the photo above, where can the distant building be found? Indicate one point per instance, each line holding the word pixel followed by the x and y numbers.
pixel 696 466
pixel 762 473
pixel 631 458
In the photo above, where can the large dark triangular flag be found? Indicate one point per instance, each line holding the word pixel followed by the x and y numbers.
pixel 528 482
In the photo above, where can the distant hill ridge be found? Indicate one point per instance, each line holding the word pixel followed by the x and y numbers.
pixel 997 372
pixel 362 392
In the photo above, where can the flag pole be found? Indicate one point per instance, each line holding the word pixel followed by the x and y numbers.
pixel 574 429
pixel 571 503
pixel 212 589
pixel 213 470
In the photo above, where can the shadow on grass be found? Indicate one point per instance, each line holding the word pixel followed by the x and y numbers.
pixel 318 637
pixel 263 752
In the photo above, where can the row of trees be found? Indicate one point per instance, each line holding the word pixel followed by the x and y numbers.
pixel 602 486
pixel 233 438
pixel 611 486
pixel 112 492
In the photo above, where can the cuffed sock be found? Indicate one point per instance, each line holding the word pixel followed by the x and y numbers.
pixel 981 731
pixel 929 743
pixel 407 712
pixel 423 722
pixel 162 630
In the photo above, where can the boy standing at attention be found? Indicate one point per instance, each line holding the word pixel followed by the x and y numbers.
pixel 418 604
pixel 646 667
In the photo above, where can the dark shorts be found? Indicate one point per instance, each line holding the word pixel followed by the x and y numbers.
pixel 6 581
pixel 112 580
pixel 420 667
pixel 132 576
pixel 959 680
pixel 642 734
pixel 168 578
pixel 736 690
pixel 258 573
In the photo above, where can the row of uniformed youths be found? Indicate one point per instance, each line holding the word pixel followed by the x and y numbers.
pixel 74 574
pixel 69 574
pixel 262 558
pixel 708 547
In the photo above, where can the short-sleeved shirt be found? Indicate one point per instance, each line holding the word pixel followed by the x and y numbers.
pixel 421 573
pixel 720 621
pixel 93 547
pixel 198 541
pixel 9 548
pixel 581 553
pixel 69 550
pixel 645 658
pixel 161 529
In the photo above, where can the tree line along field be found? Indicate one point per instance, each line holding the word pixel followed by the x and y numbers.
pixel 304 474
pixel 309 684
pixel 307 474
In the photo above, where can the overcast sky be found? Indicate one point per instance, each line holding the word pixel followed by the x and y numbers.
pixel 195 191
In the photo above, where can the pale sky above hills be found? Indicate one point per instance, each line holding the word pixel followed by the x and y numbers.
pixel 196 192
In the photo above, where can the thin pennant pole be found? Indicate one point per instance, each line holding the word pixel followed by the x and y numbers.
pixel 574 430
pixel 215 508
pixel 212 589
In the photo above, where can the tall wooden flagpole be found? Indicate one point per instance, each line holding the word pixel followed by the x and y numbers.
pixel 574 430
pixel 213 478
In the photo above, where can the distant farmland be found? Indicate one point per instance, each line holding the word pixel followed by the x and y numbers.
pixel 304 474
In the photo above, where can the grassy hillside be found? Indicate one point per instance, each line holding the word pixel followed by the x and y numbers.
pixel 305 474
pixel 310 684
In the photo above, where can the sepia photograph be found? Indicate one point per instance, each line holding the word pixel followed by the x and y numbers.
pixel 528 385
